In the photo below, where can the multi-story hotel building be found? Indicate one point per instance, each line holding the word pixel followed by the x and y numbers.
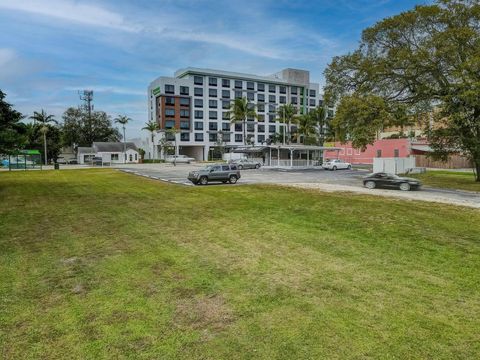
pixel 196 102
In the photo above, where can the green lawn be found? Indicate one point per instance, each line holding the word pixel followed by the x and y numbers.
pixel 449 180
pixel 101 264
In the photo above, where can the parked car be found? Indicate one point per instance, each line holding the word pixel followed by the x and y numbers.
pixel 215 173
pixel 246 164
pixel 179 159
pixel 386 180
pixel 336 164
pixel 61 160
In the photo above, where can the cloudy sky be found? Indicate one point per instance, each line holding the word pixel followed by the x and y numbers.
pixel 50 49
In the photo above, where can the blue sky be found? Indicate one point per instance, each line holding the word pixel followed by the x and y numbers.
pixel 49 49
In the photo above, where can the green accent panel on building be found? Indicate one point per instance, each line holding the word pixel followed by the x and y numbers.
pixel 156 91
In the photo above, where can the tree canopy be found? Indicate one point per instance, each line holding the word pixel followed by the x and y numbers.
pixel 12 130
pixel 426 60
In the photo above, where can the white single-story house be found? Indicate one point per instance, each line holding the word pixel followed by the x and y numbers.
pixel 109 152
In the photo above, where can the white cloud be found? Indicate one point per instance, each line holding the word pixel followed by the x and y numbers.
pixel 6 56
pixel 71 11
pixel 109 89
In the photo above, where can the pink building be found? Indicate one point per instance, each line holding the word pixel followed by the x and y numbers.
pixel 387 148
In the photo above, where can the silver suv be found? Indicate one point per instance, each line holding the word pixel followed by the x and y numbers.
pixel 216 172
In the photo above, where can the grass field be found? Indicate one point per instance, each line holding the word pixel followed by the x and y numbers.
pixel 101 264
pixel 449 180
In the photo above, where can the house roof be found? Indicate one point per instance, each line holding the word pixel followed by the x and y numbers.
pixel 113 146
pixel 85 150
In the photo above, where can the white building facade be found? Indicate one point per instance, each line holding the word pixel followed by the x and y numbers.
pixel 196 102
pixel 109 153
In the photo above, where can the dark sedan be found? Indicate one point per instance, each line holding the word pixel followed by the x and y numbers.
pixel 390 181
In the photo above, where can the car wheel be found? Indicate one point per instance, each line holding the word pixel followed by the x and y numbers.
pixel 232 179
pixel 349 167
pixel 405 186
pixel 240 167
pixel 203 180
pixel 257 166
pixel 334 168
pixel 370 184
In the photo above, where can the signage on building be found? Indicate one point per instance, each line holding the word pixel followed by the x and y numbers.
pixel 156 91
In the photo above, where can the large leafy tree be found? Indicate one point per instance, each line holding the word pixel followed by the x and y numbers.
pixel 12 130
pixel 241 110
pixel 43 119
pixel 80 129
pixel 34 139
pixel 423 60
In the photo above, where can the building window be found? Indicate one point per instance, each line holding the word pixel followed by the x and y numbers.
pixel 212 81
pixel 198 114
pixel 379 153
pixel 312 102
pixel 294 90
pixel 130 157
pixel 226 137
pixel 283 99
pixel 320 102
pixel 212 92
pixel 169 89
pixel 260 87
pixel 349 151
pixel 226 116
pixel 250 96
pixel 212 104
pixel 283 89
pixel 261 107
pixel 225 126
pixel 294 100
pixel 238 138
pixel 212 115
pixel 238 127
pixel 238 94
pixel 113 157
pixel 169 100
pixel 260 117
pixel 198 125
pixel 261 128
pixel 198 91
pixel 225 104
pixel 212 126
pixel 261 138
pixel 238 84
pixel 198 103
pixel 250 85
pixel 261 97
pixel 357 152
pixel 184 90
pixel 271 88
pixel 212 137
pixel 226 94
pixel 169 112
pixel 313 93
pixel 184 101
pixel 250 127
pixel 198 136
pixel 198 80
pixel 271 98
pixel 169 124
pixel 136 156
pixel 226 83
pixel 185 136
pixel 185 125
pixel 272 108
pixel 396 153
pixel 271 118
pixel 184 113
pixel 271 128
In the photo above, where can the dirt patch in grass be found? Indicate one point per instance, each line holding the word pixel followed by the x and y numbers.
pixel 202 312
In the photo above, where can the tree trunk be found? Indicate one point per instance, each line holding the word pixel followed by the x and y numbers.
pixel 476 163
pixel 244 132
pixel 45 146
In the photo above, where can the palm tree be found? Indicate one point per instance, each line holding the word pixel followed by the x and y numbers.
pixel 306 126
pixel 319 116
pixel 173 132
pixel 123 120
pixel 287 114
pixel 44 119
pixel 152 127
pixel 241 110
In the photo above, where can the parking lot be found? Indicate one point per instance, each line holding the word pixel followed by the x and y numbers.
pixel 318 179
pixel 178 174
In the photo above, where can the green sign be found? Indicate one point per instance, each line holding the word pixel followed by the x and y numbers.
pixel 156 91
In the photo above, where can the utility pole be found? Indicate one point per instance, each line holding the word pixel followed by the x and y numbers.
pixel 87 97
